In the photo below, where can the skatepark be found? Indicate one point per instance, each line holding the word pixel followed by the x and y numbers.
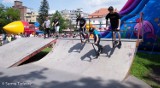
pixel 73 64
pixel 70 64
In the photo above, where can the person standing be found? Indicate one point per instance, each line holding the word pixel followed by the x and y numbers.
pixel 1 39
pixel 46 26
pixel 9 38
pixel 56 26
pixel 115 24
pixel 82 24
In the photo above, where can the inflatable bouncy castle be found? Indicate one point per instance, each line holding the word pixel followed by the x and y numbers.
pixel 151 22
pixel 149 28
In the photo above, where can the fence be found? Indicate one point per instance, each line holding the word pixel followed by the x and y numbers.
pixel 124 30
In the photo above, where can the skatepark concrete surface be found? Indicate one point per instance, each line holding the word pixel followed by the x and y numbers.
pixel 72 64
pixel 15 51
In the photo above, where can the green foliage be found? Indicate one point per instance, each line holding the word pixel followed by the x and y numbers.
pixel 2 17
pixel 64 24
pixel 47 50
pixel 43 11
pixel 13 14
pixel 8 15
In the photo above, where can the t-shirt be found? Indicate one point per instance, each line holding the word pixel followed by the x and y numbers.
pixel 9 39
pixel 55 21
pixel 47 24
pixel 114 19
pixel 95 32
pixel 1 37
pixel 82 21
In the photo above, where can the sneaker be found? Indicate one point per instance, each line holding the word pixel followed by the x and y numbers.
pixel 115 42
pixel 120 43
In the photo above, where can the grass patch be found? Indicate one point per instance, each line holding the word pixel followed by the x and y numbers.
pixel 147 68
pixel 47 50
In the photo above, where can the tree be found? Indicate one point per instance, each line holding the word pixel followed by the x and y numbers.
pixel 43 11
pixel 8 15
pixel 2 15
pixel 12 14
pixel 63 23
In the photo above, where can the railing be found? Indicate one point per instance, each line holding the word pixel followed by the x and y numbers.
pixel 141 30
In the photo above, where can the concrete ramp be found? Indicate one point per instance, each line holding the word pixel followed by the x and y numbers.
pixel 73 57
pixel 18 51
pixel 73 65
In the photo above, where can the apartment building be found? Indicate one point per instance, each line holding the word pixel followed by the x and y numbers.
pixel 31 16
pixel 23 9
pixel 72 14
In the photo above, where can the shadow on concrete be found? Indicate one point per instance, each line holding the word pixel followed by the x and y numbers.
pixel 1 73
pixel 77 48
pixel 88 83
pixel 13 81
pixel 83 82
pixel 108 50
pixel 89 56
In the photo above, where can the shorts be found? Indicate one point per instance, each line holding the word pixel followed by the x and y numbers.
pixel 57 28
pixel 115 30
pixel 82 30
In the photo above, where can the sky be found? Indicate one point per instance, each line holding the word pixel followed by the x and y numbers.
pixel 88 6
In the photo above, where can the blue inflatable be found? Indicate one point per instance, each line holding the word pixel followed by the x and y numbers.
pixel 36 24
pixel 149 31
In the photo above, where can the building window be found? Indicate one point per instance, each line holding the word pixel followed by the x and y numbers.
pixel 28 16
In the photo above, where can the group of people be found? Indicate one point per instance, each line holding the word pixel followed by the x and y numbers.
pixel 114 25
pixel 7 38
pixel 84 36
pixel 51 29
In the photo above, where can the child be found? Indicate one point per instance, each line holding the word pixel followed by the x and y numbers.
pixel 97 39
